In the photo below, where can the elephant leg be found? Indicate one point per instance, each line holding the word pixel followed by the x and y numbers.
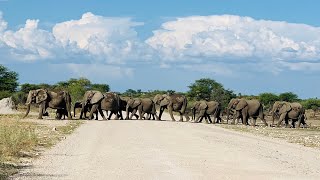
pixel 109 117
pixel 235 117
pixel 281 118
pixel 254 121
pixel 160 113
pixel 181 117
pixel 155 116
pixel 133 113
pixel 96 113
pixel 93 109
pixel 116 114
pixel 245 118
pixel 101 112
pixel 171 113
pixel 187 117
pixel 209 121
pixel 41 110
pixel 293 123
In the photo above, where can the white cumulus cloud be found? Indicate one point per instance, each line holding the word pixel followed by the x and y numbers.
pixel 112 39
pixel 236 38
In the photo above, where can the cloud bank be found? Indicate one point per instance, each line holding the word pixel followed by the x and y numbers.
pixel 223 42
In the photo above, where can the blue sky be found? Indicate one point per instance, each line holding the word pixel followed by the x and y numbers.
pixel 249 46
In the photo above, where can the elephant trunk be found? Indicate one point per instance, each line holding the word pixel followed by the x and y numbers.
pixel 28 110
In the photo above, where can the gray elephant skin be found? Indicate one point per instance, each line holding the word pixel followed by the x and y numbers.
pixel 248 108
pixel 108 101
pixel 45 99
pixel 78 104
pixel 284 111
pixel 143 106
pixel 205 109
pixel 173 102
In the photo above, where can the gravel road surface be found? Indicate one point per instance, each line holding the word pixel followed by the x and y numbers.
pixel 141 149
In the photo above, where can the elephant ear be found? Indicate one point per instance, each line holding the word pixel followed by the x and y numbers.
pixel 203 105
pixel 42 95
pixel 242 104
pixel 285 108
pixel 165 101
pixel 136 103
pixel 97 96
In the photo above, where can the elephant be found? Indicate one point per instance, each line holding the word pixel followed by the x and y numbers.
pixel 173 102
pixel 248 108
pixel 205 109
pixel 143 106
pixel 45 99
pixel 92 99
pixel 285 111
pixel 123 105
pixel 78 104
pixel 231 111
pixel 111 102
pixel 108 101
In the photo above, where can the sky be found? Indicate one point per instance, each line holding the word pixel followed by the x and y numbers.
pixel 250 47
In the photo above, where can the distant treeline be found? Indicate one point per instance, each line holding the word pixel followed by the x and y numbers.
pixel 202 89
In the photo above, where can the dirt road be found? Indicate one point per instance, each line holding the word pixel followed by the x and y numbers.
pixel 137 149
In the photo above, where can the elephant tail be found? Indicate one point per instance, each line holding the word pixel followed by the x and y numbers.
pixel 184 105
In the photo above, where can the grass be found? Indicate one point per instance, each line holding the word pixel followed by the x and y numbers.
pixel 24 139
pixel 309 137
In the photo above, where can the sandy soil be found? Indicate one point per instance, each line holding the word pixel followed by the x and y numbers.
pixel 141 149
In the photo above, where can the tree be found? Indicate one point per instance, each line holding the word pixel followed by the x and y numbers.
pixel 8 79
pixel 209 89
pixel 268 99
pixel 313 104
pixel 288 96
pixel 203 88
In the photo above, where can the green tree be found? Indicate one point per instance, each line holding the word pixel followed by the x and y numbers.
pixel 313 104
pixel 8 79
pixel 203 89
pixel 268 99
pixel 288 96
pixel 100 87
pixel 209 89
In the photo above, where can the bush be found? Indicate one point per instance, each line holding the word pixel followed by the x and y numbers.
pixel 5 94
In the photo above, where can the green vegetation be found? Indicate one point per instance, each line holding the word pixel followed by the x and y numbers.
pixel 24 138
pixel 8 81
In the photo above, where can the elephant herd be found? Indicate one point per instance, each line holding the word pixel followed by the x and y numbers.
pixel 95 102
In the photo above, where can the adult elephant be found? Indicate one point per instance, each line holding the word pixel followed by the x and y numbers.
pixel 92 99
pixel 285 111
pixel 45 99
pixel 143 106
pixel 230 110
pixel 111 102
pixel 173 102
pixel 248 108
pixel 204 109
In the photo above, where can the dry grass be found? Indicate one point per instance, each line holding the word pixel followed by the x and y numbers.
pixel 309 137
pixel 21 140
